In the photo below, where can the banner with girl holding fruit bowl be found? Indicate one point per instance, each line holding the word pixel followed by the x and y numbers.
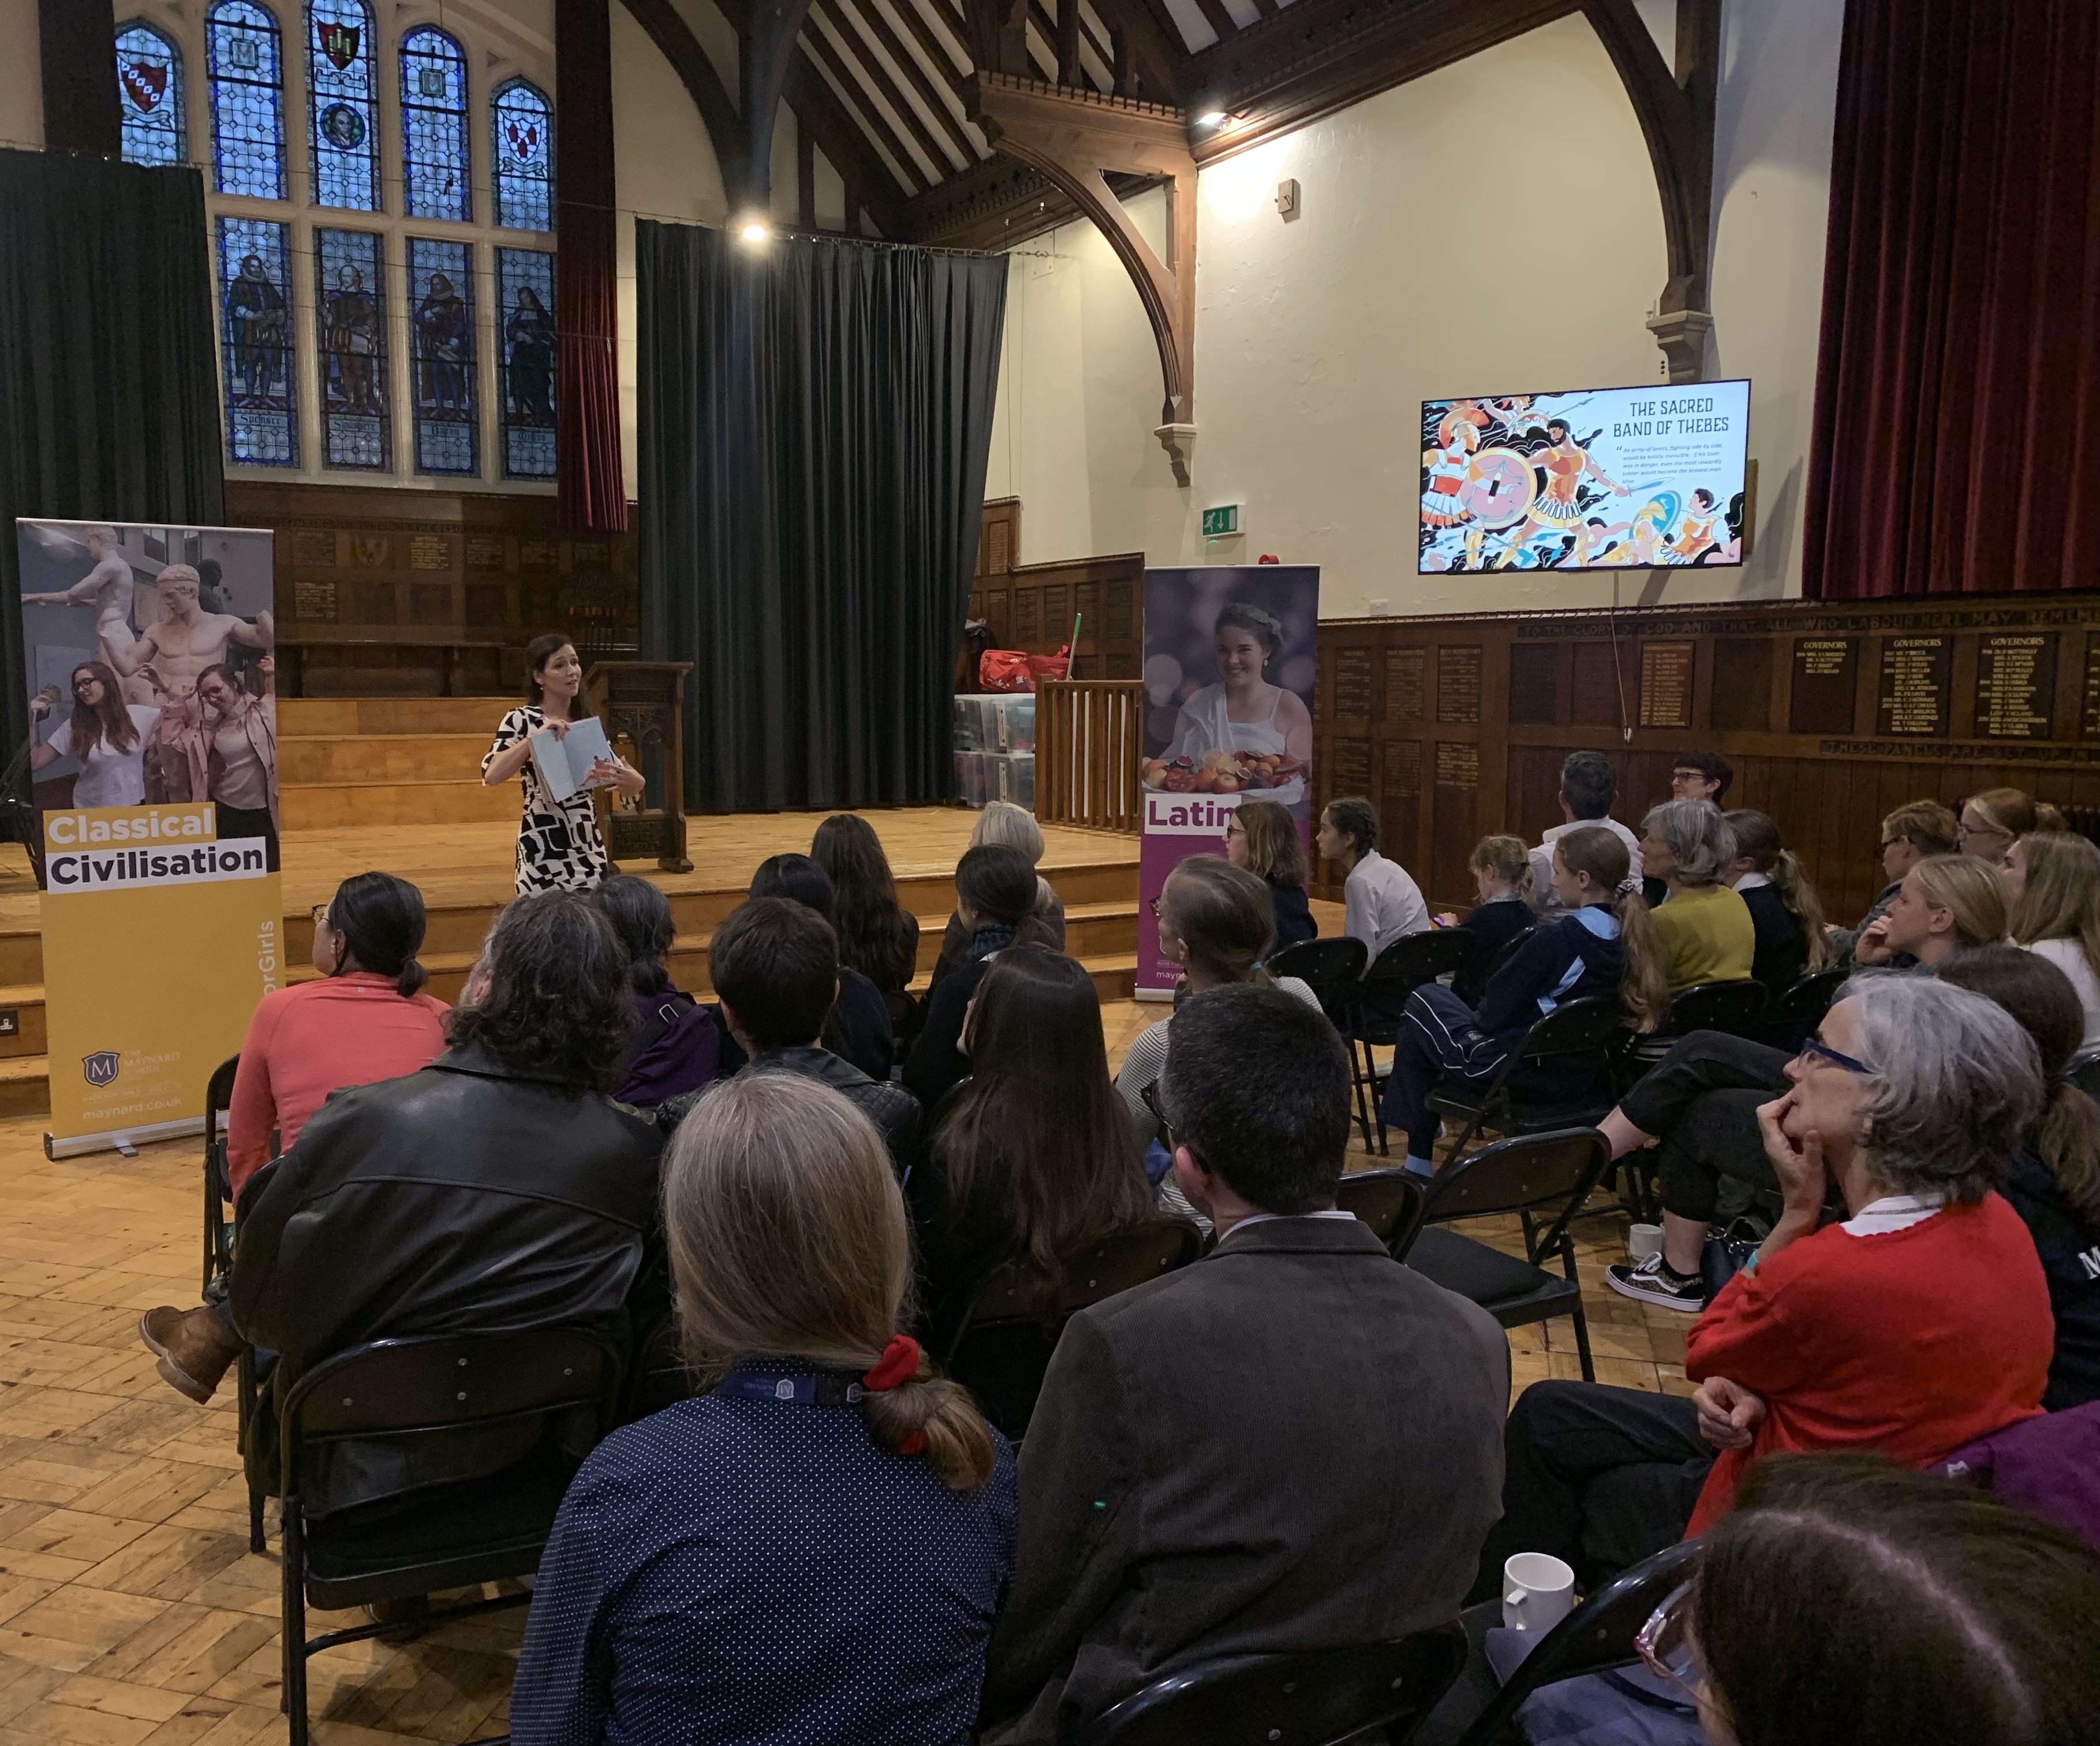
pixel 1228 673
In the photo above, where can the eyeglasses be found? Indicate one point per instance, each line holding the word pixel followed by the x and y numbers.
pixel 1665 1646
pixel 320 915
pixel 1234 828
pixel 1150 1097
pixel 1815 1048
pixel 1965 830
pixel 1153 906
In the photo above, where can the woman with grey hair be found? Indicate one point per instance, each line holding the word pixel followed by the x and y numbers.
pixel 1705 928
pixel 1004 825
pixel 1914 1321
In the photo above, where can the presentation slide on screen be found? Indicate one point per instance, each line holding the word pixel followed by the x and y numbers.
pixel 1597 478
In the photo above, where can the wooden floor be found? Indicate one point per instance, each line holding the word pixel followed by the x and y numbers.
pixel 130 1609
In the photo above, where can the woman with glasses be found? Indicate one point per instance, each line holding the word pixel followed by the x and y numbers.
pixel 1846 1599
pixel 1916 1323
pixel 1914 830
pixel 1990 820
pixel 1262 837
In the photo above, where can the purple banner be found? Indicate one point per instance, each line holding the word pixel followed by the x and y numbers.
pixel 1229 666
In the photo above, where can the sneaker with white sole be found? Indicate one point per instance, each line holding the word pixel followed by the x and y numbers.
pixel 1652 1281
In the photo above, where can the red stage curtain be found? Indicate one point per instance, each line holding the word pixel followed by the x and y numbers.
pixel 1957 446
pixel 587 441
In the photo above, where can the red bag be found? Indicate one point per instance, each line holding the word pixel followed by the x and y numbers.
pixel 1057 666
pixel 1004 670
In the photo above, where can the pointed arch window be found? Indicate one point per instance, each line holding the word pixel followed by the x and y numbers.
pixel 433 148
pixel 244 69
pixel 522 122
pixel 343 111
pixel 149 94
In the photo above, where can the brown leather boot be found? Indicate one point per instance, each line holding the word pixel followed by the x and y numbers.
pixel 196 1347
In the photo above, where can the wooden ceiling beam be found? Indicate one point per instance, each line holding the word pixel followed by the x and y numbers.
pixel 1156 45
pixel 675 40
pixel 958 152
pixel 936 50
pixel 826 58
pixel 1215 16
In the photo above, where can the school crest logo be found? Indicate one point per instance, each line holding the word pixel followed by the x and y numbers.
pixel 339 43
pixel 523 139
pixel 145 84
pixel 100 1068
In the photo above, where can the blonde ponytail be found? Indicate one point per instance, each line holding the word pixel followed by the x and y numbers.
pixel 926 1414
pixel 1643 981
pixel 1799 895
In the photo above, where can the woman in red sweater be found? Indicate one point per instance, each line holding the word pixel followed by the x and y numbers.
pixel 1920 1322
pixel 365 1020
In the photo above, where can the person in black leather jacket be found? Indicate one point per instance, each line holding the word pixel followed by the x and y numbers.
pixel 499 1188
pixel 774 964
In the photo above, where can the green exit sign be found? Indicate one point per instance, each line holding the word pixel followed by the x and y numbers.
pixel 1221 523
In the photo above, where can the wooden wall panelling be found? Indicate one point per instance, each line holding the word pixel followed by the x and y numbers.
pixel 1031 606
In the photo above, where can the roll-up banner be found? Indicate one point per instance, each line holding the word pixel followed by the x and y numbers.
pixel 1229 666
pixel 153 767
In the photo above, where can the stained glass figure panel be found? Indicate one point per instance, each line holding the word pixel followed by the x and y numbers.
pixel 350 307
pixel 149 94
pixel 244 69
pixel 522 122
pixel 255 335
pixel 434 149
pixel 343 94
pixel 525 311
pixel 441 308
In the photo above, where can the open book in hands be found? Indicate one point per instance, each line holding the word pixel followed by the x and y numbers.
pixel 564 764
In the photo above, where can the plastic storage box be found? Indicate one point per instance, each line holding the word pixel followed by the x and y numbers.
pixel 983 777
pixel 995 722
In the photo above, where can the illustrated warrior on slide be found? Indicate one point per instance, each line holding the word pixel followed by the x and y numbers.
pixel 173 654
pixel 108 588
pixel 1565 464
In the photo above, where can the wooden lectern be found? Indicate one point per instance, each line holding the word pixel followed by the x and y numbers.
pixel 642 703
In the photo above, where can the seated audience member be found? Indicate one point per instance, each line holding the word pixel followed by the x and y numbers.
pixel 497 1188
pixel 2052 878
pixel 878 936
pixel 1991 820
pixel 1704 928
pixel 366 1019
pixel 995 895
pixel 1700 776
pixel 1262 837
pixel 857 1028
pixel 1213 921
pixel 1587 788
pixel 1291 1445
pixel 1786 916
pixel 675 1046
pixel 1003 825
pixel 1501 879
pixel 774 963
pixel 1919 1325
pixel 1948 904
pixel 813 1550
pixel 2054 1185
pixel 1914 830
pixel 1832 1568
pixel 1036 1156
pixel 1601 942
pixel 1380 902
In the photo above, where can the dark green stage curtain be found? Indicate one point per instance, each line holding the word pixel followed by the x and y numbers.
pixel 814 421
pixel 108 388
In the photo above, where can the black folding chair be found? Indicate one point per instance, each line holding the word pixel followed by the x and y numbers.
pixel 1314 1697
pixel 1794 1013
pixel 217 1185
pixel 454 1535
pixel 1523 1175
pixel 1002 1352
pixel 1507 950
pixel 1589 1028
pixel 1736 1009
pixel 1400 970
pixel 1598 1634
pixel 1334 970
pixel 656 1376
pixel 1390 1202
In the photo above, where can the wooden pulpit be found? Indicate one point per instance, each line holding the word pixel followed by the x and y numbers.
pixel 642 705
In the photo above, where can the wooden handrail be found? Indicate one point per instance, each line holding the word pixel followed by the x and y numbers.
pixel 1089 743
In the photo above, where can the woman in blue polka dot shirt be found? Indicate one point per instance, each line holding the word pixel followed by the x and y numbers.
pixel 815 1551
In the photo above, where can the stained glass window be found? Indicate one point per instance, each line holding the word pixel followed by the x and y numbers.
pixel 342 106
pixel 434 152
pixel 149 94
pixel 441 307
pixel 244 65
pixel 256 335
pixel 525 309
pixel 523 123
pixel 349 306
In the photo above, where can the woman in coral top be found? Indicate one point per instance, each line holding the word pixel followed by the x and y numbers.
pixel 365 1020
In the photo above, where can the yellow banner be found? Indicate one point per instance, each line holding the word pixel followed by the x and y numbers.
pixel 159 938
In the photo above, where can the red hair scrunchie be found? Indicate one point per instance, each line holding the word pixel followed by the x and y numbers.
pixel 899 1363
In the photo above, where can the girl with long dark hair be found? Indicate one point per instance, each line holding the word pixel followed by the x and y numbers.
pixel 107 736
pixel 877 936
pixel 1785 913
pixel 675 1046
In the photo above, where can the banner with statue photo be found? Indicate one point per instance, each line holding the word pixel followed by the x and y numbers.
pixel 152 764
pixel 1229 663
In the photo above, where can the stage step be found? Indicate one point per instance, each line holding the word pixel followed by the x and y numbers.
pixel 327 806
pixel 308 758
pixel 366 762
pixel 342 717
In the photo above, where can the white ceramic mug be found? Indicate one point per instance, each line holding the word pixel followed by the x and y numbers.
pixel 1644 1240
pixel 1538 1592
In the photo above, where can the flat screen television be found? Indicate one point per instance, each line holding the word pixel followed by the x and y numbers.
pixel 1621 479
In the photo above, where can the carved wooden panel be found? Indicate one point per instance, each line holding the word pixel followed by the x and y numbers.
pixel 1742 683
pixel 1534 687
pixel 1825 682
pixel 1665 684
pixel 1458 683
pixel 2015 685
pixel 1406 683
pixel 1914 694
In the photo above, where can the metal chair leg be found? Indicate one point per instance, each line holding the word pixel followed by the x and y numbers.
pixel 1366 1086
pixel 294 1631
pixel 1582 1321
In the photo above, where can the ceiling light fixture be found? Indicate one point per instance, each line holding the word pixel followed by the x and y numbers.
pixel 755 231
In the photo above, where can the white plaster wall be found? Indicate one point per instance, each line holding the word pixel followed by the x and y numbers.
pixel 1490 228
pixel 21 76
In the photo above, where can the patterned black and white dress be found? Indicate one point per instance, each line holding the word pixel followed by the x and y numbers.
pixel 559 845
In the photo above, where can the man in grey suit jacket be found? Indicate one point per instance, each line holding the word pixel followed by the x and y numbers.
pixel 1294 1443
